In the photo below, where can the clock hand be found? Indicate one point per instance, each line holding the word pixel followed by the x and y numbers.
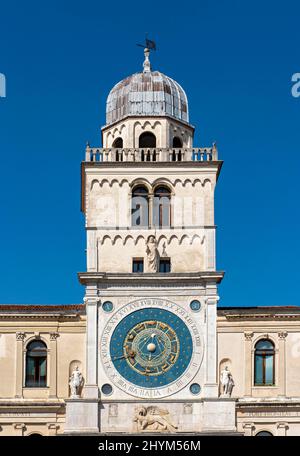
pixel 130 355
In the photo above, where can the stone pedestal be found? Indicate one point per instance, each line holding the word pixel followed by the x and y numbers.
pixel 82 416
pixel 219 415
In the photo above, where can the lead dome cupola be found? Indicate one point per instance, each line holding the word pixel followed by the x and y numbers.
pixel 149 93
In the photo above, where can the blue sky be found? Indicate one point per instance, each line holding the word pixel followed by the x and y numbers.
pixel 235 60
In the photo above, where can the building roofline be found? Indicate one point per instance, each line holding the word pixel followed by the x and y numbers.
pixel 257 308
pixel 44 308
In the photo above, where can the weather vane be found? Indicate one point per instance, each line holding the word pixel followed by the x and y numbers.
pixel 149 44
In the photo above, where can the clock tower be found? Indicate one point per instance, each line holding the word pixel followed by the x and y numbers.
pixel 151 281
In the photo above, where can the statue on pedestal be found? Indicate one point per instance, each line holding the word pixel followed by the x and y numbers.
pixel 152 254
pixel 76 383
pixel 227 382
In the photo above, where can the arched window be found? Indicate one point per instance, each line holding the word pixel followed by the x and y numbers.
pixel 177 143
pixel 36 364
pixel 139 207
pixel 118 143
pixel 264 434
pixel 147 139
pixel 162 207
pixel 264 372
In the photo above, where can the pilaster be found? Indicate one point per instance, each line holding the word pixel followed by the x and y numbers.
pixel 282 363
pixel 248 364
pixel 20 336
pixel 53 365
pixel 91 384
pixel 211 385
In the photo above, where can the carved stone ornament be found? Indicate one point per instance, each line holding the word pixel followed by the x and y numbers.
pixel 153 418
pixel 20 426
pixel 248 336
pixel 188 409
pixel 282 335
pixel 54 335
pixel 113 410
pixel 20 336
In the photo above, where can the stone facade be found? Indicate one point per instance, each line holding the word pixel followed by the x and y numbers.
pixel 148 351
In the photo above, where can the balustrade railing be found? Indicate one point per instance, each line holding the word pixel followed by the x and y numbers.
pixel 96 154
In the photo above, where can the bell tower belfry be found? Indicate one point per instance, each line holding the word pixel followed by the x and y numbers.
pixel 151 280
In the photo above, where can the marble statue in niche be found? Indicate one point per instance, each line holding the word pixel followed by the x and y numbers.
pixel 76 383
pixel 227 382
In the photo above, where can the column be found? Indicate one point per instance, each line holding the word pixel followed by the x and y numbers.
pixel 281 364
pixel 150 209
pixel 53 365
pixel 248 364
pixel 91 386
pixel 211 385
pixel 20 336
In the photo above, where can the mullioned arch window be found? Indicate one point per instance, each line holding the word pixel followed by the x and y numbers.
pixel 140 207
pixel 162 207
pixel 36 364
pixel 264 363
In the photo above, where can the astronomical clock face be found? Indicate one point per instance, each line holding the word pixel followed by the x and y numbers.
pixel 151 348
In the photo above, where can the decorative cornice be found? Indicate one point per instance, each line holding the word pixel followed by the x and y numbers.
pixel 263 403
pixel 20 426
pixel 150 279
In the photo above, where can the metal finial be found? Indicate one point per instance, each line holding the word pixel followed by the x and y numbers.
pixel 148 46
pixel 146 64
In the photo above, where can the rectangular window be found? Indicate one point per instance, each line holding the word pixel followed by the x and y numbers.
pixel 164 265
pixel 138 265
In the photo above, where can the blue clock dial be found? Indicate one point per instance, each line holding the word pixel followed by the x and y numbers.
pixel 151 347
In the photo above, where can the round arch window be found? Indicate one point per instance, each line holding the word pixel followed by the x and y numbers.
pixel 147 139
pixel 36 364
pixel 264 366
pixel 264 434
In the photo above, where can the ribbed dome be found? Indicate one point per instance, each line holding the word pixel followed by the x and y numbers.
pixel 150 93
